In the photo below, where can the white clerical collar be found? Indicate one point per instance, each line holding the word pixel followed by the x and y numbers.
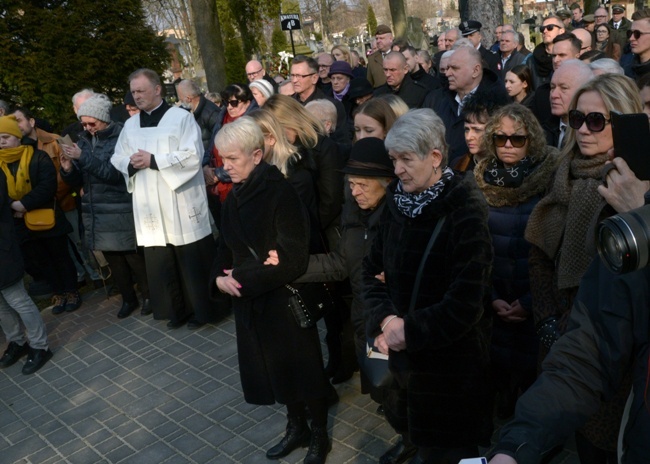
pixel 149 112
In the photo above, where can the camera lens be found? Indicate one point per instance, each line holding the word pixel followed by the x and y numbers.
pixel 624 240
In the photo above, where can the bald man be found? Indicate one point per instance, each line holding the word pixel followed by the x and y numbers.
pixel 399 81
pixel 465 76
pixel 255 70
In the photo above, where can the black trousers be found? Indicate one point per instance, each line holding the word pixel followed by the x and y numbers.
pixel 48 258
pixel 179 277
pixel 128 267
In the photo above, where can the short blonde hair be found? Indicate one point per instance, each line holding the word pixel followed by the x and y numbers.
pixel 242 133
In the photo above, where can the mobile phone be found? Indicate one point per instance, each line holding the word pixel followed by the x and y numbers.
pixel 631 133
pixel 473 461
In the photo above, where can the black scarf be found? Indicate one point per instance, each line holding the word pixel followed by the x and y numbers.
pixel 412 204
pixel 511 177
pixel 543 60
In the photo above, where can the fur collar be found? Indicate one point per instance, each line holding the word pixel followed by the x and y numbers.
pixel 536 183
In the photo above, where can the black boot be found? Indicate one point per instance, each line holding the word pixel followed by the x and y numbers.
pixel 401 451
pixel 297 435
pixel 319 446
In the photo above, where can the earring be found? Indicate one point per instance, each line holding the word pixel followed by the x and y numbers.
pixel 435 170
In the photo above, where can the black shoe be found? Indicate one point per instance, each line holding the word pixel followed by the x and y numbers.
pixel 73 301
pixel 146 307
pixel 319 446
pixel 13 353
pixel 297 436
pixel 36 360
pixel 58 301
pixel 400 452
pixel 380 411
pixel 127 309
pixel 175 324
pixel 193 324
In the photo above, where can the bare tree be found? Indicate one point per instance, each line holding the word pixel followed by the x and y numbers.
pixel 398 15
pixel 489 13
pixel 208 31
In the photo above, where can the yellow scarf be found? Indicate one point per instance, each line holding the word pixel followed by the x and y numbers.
pixel 20 185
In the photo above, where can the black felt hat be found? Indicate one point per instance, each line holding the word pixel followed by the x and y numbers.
pixel 360 87
pixel 369 158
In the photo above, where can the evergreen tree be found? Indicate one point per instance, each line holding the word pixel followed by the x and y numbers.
pixel 51 49
pixel 279 41
pixel 372 21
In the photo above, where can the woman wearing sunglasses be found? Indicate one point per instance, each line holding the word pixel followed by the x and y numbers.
pixel 513 176
pixel 562 230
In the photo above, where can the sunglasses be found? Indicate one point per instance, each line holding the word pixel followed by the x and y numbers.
pixel 596 122
pixel 517 141
pixel 89 124
pixel 636 33
pixel 548 28
pixel 233 103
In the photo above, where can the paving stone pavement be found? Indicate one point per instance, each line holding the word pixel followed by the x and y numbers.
pixel 132 391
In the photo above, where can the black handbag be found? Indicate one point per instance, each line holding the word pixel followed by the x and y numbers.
pixel 374 364
pixel 308 302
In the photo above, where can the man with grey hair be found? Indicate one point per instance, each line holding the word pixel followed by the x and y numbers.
pixel 566 81
pixel 606 66
pixel 451 36
pixel 399 82
pixel 159 152
pixel 509 56
pixel 205 112
pixel 325 111
pixel 465 75
pixel 74 129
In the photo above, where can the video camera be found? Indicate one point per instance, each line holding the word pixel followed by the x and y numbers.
pixel 624 240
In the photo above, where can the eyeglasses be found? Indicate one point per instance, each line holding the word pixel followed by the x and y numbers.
pixel 636 33
pixel 602 31
pixel 300 76
pixel 254 73
pixel 233 103
pixel 517 141
pixel 549 28
pixel 596 122
pixel 324 66
pixel 89 124
pixel 600 16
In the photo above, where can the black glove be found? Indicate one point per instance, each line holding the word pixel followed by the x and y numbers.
pixel 548 332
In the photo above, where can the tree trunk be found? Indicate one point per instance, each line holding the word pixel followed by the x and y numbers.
pixel 208 35
pixel 591 5
pixel 398 15
pixel 489 13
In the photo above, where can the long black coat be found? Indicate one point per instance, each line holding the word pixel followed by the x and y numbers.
pixel 106 206
pixel 278 361
pixel 446 356
pixel 11 259
pixel 206 115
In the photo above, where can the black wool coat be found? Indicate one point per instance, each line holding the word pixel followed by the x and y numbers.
pixel 278 361
pixel 446 356
pixel 106 206
pixel 206 115
pixel 11 259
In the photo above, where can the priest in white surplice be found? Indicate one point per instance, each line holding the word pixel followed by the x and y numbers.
pixel 159 152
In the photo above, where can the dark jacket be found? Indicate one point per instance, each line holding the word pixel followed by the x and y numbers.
pixel 278 360
pixel 426 80
pixel 443 102
pixel 515 59
pixel 411 92
pixel 608 339
pixel 446 345
pixel 207 155
pixel 106 206
pixel 490 59
pixel 206 115
pixel 42 174
pixel 633 67
pixel 541 65
pixel 11 259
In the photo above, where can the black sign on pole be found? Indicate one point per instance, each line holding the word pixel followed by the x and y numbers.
pixel 290 22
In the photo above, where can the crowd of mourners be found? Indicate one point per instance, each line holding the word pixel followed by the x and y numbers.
pixel 445 206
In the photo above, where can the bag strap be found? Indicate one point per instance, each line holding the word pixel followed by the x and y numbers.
pixel 418 277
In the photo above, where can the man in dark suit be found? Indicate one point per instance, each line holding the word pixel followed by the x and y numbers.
pixel 508 55
pixel 384 40
pixel 399 82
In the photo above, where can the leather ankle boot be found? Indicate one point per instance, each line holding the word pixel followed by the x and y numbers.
pixel 297 435
pixel 319 446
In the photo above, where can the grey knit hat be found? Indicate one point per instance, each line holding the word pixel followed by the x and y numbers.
pixel 98 106
pixel 263 86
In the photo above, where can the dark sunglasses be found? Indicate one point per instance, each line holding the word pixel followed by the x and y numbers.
pixel 636 33
pixel 548 28
pixel 233 103
pixel 517 141
pixel 596 122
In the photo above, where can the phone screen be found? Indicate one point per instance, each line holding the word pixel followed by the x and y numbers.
pixel 631 133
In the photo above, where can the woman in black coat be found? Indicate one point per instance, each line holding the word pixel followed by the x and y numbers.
pixel 437 343
pixel 106 206
pixel 31 176
pixel 513 177
pixel 278 360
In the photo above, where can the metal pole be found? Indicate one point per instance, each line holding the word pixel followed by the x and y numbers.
pixel 293 49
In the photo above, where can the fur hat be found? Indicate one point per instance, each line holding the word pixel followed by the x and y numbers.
pixel 98 106
pixel 263 86
pixel 9 125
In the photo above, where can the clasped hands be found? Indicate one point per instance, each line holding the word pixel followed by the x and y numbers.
pixel 228 284
pixel 141 159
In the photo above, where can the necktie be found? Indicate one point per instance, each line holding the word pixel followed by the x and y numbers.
pixel 561 137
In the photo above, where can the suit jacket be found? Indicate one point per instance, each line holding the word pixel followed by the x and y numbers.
pixel 490 59
pixel 375 73
pixel 411 92
pixel 516 58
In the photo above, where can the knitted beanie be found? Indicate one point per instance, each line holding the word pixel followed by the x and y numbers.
pixel 98 106
pixel 263 86
pixel 9 125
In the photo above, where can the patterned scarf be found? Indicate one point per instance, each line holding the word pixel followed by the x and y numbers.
pixel 412 204
pixel 497 174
